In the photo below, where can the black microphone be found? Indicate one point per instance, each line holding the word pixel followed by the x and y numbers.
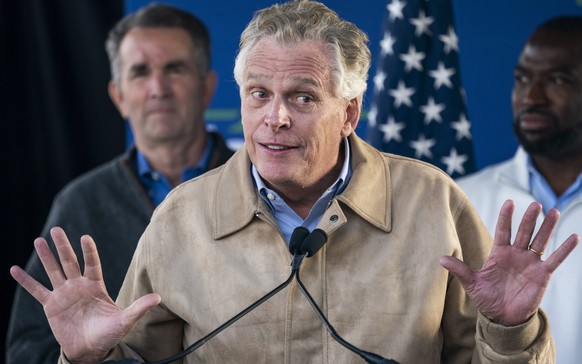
pixel 297 239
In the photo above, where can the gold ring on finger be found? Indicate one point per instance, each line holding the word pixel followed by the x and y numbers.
pixel 537 252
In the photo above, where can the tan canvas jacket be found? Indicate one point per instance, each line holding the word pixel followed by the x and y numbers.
pixel 213 247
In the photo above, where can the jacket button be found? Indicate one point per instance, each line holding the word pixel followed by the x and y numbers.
pixel 333 218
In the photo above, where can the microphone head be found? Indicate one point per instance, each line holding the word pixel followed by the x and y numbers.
pixel 313 242
pixel 297 238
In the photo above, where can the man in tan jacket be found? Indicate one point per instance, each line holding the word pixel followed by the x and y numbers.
pixel 220 242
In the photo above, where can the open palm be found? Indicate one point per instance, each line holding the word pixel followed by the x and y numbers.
pixel 83 317
pixel 509 287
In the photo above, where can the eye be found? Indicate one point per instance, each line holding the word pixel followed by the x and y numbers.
pixel 305 99
pixel 139 71
pixel 259 94
pixel 176 68
pixel 520 78
pixel 560 80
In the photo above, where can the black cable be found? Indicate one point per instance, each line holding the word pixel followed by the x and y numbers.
pixel 369 357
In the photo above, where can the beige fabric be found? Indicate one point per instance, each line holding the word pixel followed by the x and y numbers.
pixel 213 248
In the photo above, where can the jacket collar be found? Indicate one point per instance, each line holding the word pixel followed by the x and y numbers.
pixel 368 193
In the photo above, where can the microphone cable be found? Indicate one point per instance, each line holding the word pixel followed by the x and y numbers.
pixel 302 244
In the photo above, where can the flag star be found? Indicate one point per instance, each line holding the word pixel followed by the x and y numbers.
pixel 395 9
pixel 422 23
pixel 392 130
pixel 387 44
pixel 412 59
pixel 442 76
pixel 422 146
pixel 402 94
pixel 379 79
pixel 450 40
pixel 454 162
pixel 432 111
pixel 372 115
pixel 463 127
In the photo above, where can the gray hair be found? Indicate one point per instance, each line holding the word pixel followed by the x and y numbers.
pixel 163 16
pixel 298 21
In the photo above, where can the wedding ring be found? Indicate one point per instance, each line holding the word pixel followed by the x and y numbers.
pixel 535 251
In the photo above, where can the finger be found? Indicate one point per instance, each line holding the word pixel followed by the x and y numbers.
pixel 502 235
pixel 459 269
pixel 91 256
pixel 527 226
pixel 31 285
pixel 542 238
pixel 139 308
pixel 49 262
pixel 562 252
pixel 67 255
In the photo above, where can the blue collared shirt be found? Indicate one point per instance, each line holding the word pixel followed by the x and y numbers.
pixel 286 218
pixel 542 192
pixel 157 185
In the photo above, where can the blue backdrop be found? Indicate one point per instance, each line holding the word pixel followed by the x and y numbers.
pixel 491 34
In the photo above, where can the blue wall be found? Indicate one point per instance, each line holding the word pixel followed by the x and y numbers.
pixel 491 34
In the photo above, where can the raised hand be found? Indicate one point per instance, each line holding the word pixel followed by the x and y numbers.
pixel 510 286
pixel 84 319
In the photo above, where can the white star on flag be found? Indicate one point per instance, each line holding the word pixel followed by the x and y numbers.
pixel 450 40
pixel 402 95
pixel 379 81
pixel 432 111
pixel 422 146
pixel 386 45
pixel 454 162
pixel 392 130
pixel 422 23
pixel 395 9
pixel 442 76
pixel 412 59
pixel 463 127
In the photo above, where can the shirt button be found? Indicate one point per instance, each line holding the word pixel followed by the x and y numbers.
pixel 155 176
pixel 333 218
pixel 270 196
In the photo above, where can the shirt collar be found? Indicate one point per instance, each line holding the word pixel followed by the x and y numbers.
pixel 543 192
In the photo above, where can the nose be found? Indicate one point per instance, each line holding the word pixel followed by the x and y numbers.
pixel 277 116
pixel 535 93
pixel 158 86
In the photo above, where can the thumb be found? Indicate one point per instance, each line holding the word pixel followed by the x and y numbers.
pixel 140 307
pixel 458 268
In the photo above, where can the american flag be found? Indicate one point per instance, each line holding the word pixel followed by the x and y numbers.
pixel 418 108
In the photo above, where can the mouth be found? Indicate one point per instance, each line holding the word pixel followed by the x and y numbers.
pixel 533 122
pixel 277 147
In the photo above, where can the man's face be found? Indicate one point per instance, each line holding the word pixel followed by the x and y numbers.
pixel 161 92
pixel 547 95
pixel 293 119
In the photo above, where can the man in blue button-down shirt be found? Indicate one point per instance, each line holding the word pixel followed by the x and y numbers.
pixel 162 83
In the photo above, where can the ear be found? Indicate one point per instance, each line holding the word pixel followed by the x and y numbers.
pixel 209 88
pixel 116 97
pixel 352 117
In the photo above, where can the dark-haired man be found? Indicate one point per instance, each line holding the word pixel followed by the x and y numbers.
pixel 547 111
